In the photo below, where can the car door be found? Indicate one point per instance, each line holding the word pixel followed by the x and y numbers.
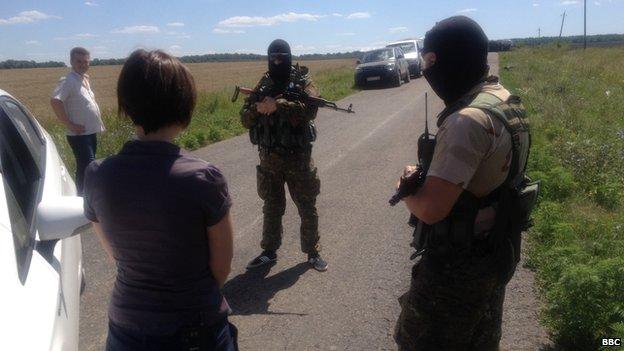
pixel 39 289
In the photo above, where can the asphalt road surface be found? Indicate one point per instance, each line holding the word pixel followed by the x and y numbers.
pixel 352 306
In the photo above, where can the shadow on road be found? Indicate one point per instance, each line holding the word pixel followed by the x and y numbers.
pixel 249 293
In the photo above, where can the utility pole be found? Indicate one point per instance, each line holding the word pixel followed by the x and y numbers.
pixel 585 26
pixel 562 21
pixel 561 31
pixel 539 33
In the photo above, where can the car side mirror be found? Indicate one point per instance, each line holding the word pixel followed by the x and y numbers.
pixel 61 218
pixel 357 62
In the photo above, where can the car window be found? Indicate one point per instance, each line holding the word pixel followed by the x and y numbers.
pixel 405 47
pixel 21 180
pixel 378 55
pixel 26 129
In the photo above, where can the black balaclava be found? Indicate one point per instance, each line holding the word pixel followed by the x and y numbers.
pixel 280 73
pixel 461 49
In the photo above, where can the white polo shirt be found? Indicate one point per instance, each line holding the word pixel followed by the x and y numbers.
pixel 79 102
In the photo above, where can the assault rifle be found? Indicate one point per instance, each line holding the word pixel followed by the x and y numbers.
pixel 410 183
pixel 291 95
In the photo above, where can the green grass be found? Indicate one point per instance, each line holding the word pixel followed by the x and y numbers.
pixel 215 118
pixel 575 100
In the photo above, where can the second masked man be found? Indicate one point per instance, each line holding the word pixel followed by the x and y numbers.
pixel 283 129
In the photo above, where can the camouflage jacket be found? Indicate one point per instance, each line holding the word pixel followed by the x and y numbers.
pixel 291 126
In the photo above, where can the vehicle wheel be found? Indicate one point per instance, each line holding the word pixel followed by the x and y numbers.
pixel 397 79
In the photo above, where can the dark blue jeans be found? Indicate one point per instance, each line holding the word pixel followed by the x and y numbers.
pixel 84 148
pixel 221 336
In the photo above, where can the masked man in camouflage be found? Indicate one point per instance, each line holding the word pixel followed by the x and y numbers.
pixel 281 124
pixel 471 208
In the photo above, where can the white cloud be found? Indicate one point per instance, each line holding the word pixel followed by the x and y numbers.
pixel 467 10
pixel 536 4
pixel 175 49
pixel 359 15
pixel 80 36
pixel 175 24
pixel 337 14
pixel 227 31
pixel 570 2
pixel 27 17
pixel 91 3
pixel 86 35
pixel 137 30
pixel 397 30
pixel 247 21
pixel 250 51
pixel 32 42
pixel 300 49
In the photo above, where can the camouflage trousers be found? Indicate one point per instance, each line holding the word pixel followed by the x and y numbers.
pixel 452 306
pixel 297 171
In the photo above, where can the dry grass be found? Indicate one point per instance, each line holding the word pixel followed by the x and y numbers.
pixel 34 86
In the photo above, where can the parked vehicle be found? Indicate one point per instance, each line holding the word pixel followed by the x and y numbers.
pixel 382 65
pixel 411 48
pixel 40 251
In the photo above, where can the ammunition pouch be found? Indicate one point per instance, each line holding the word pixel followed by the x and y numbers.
pixel 451 238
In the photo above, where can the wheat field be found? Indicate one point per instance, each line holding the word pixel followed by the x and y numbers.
pixel 33 87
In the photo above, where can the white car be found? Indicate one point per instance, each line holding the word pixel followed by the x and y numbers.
pixel 40 251
pixel 411 48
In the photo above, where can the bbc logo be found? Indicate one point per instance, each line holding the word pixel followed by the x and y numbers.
pixel 611 342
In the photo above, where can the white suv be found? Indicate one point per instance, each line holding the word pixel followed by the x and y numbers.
pixel 40 251
pixel 411 48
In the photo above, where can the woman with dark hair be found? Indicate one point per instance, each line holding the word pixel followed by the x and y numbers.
pixel 163 217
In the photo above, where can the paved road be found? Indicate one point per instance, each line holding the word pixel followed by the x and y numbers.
pixel 352 306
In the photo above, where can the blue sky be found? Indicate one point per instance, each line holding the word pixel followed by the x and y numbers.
pixel 46 30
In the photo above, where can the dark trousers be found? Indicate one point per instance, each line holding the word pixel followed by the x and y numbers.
pixel 84 148
pixel 221 336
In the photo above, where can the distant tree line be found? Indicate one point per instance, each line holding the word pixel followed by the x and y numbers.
pixel 576 39
pixel 236 57
pixel 107 62
pixel 10 64
pixel 331 56
pixel 495 45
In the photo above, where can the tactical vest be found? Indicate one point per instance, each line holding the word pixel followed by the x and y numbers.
pixel 513 200
pixel 275 132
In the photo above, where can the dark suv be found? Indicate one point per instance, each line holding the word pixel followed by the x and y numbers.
pixel 382 65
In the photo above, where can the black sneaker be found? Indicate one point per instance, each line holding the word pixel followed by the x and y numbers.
pixel 317 262
pixel 265 257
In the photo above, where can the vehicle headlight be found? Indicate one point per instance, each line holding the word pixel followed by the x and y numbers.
pixel 390 66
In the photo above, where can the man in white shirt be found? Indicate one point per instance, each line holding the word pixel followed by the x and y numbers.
pixel 74 104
